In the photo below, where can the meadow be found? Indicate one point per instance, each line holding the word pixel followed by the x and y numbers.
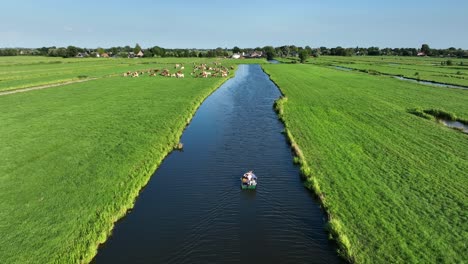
pixel 419 68
pixel 73 158
pixel 393 184
pixel 23 72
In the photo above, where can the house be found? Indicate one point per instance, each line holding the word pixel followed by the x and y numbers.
pixel 256 54
pixel 421 54
pixel 140 54
pixel 236 56
pixel 104 55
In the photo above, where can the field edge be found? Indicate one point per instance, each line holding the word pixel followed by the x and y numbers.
pixel 144 175
pixel 333 225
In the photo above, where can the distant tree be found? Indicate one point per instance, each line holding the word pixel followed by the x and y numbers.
pixel 373 51
pixel 270 52
pixel 147 53
pixel 294 50
pixel 100 51
pixel 218 52
pixel 122 54
pixel 71 52
pixel 61 52
pixel 449 62
pixel 114 50
pixel 303 56
pixel 315 53
pixel 425 49
pixel 324 51
pixel 137 48
pixel 308 49
pixel 236 49
pixel 285 51
pixel 158 51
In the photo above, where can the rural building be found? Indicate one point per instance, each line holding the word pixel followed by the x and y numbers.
pixel 140 54
pixel 104 55
pixel 236 56
pixel 254 54
pixel 82 55
pixel 421 54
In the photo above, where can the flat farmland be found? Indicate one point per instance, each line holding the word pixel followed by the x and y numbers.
pixel 73 158
pixel 427 69
pixel 394 184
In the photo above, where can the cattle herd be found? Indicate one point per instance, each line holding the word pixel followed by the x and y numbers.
pixel 199 71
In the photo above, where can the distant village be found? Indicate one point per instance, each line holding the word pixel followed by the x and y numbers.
pixel 244 55
pixel 234 53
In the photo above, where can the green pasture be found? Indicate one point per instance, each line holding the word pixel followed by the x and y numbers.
pixel 424 68
pixel 73 158
pixel 23 72
pixel 393 184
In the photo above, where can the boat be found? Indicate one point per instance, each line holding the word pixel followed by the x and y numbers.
pixel 249 181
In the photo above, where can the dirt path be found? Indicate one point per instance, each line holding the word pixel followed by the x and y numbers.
pixel 44 86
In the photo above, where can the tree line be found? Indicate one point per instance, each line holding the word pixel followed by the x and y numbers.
pixel 269 51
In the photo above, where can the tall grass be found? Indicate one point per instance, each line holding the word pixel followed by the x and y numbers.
pixel 74 158
pixel 425 69
pixel 394 185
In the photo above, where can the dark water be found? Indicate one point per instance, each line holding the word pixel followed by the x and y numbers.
pixel 436 84
pixel 455 124
pixel 193 210
pixel 343 68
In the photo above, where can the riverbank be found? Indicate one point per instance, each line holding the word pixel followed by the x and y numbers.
pixel 380 172
pixel 233 131
pixel 74 158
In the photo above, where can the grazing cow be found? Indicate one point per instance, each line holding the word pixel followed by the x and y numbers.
pixel 173 75
pixel 180 75
pixel 182 67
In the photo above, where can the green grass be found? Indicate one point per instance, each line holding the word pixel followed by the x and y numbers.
pixel 428 69
pixel 393 184
pixel 73 158
pixel 23 72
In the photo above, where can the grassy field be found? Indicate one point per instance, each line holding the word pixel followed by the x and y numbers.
pixel 23 72
pixel 394 184
pixel 73 158
pixel 424 68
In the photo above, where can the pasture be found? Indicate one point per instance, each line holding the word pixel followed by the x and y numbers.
pixel 424 68
pixel 73 158
pixel 24 72
pixel 393 184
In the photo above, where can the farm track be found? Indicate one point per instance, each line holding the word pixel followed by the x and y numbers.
pixel 21 90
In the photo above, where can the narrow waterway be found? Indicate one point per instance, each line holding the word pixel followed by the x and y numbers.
pixel 193 210
pixel 436 84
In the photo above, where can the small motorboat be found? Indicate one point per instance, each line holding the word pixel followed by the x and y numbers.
pixel 249 181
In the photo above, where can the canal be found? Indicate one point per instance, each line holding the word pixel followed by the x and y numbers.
pixel 193 210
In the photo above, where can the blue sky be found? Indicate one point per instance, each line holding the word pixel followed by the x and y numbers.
pixel 252 23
